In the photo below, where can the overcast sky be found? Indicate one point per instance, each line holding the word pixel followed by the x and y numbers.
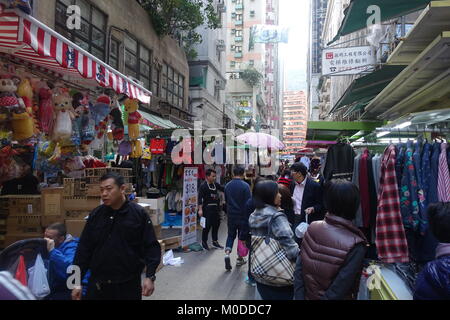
pixel 295 15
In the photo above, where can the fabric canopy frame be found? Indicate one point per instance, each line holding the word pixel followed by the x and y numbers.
pixel 364 89
pixel 356 15
pixel 28 39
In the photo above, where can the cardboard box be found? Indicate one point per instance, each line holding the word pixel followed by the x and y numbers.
pixel 13 238
pixel 157 216
pixel 69 187
pixel 49 220
pixel 21 205
pixel 158 230
pixel 81 203
pixel 75 227
pixel 163 251
pixel 52 201
pixel 93 190
pixel 23 221
pixel 155 204
pixel 76 215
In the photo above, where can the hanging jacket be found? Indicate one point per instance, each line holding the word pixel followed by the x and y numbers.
pixel 390 234
pixel 409 200
pixel 434 165
pixel 443 176
pixel 340 161
pixel 324 254
pixel 399 163
pixel 433 283
pixel 426 172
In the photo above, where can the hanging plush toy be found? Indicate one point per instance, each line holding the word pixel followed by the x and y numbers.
pixel 100 113
pixel 80 103
pixel 63 117
pixel 46 109
pixel 23 5
pixel 9 100
pixel 117 126
pixel 134 117
pixel 25 92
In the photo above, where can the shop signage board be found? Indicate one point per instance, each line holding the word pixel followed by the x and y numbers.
pixel 346 61
pixel 190 208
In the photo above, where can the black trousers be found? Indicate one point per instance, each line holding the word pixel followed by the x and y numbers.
pixel 130 290
pixel 211 213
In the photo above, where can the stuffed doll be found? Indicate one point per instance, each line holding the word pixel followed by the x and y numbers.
pixel 117 126
pixel 9 100
pixel 46 109
pixel 100 114
pixel 64 114
pixel 25 91
pixel 131 107
pixel 80 103
pixel 23 5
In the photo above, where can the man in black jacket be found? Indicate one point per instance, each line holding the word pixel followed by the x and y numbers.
pixel 116 244
pixel 307 195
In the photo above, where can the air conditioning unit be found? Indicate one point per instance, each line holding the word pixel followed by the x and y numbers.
pixel 221 45
pixel 221 84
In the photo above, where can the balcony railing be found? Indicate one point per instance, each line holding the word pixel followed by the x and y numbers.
pixel 239 7
pixel 238 55
pixel 238 39
pixel 239 23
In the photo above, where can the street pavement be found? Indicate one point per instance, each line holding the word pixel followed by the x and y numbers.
pixel 203 276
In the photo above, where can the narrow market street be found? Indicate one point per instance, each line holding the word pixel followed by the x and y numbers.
pixel 203 277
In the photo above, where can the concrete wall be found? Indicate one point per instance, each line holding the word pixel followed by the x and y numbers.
pixel 125 15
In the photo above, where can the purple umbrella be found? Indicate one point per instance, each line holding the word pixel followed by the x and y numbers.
pixel 261 140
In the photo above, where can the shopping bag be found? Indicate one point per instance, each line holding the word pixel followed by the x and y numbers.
pixel 301 229
pixel 242 249
pixel 21 272
pixel 37 281
pixel 203 222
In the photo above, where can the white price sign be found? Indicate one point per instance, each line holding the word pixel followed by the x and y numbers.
pixel 190 194
pixel 345 61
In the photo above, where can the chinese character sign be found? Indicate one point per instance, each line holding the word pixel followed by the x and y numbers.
pixel 189 231
pixel 345 61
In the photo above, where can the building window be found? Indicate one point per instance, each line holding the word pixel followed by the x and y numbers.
pixel 238 17
pixel 92 35
pixel 232 64
pixel 239 33
pixel 233 32
pixel 156 79
pixel 238 49
pixel 233 47
pixel 114 53
pixel 137 61
pixel 251 63
pixel 173 86
pixel 252 13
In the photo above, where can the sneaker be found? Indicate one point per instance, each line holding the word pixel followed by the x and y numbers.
pixel 205 245
pixel 217 245
pixel 249 282
pixel 240 261
pixel 228 263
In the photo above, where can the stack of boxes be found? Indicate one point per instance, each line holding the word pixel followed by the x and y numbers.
pixel 26 217
pixel 155 210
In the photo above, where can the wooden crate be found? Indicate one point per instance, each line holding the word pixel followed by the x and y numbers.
pixel 81 203
pixel 76 214
pixel 95 172
pixel 172 243
pixel 93 190
pixel 158 230
pixel 69 187
pixel 13 238
pixel 17 205
pixel 49 220
pixel 52 201
pixel 163 251
pixel 24 224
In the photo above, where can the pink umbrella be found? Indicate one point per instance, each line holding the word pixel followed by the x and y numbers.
pixel 261 140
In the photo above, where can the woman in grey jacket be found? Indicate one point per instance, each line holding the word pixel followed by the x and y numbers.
pixel 267 200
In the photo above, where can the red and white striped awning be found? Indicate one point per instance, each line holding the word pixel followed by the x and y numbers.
pixel 26 38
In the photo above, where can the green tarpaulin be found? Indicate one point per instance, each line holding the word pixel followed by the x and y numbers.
pixel 364 89
pixel 356 15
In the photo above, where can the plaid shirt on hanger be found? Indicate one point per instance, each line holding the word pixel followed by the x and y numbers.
pixel 390 234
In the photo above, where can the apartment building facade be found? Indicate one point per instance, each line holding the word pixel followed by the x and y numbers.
pixel 121 34
pixel 295 120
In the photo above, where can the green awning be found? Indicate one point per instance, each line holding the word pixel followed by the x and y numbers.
pixel 364 89
pixel 157 121
pixel 356 13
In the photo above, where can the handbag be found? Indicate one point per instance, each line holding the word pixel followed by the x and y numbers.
pixel 269 263
pixel 242 249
